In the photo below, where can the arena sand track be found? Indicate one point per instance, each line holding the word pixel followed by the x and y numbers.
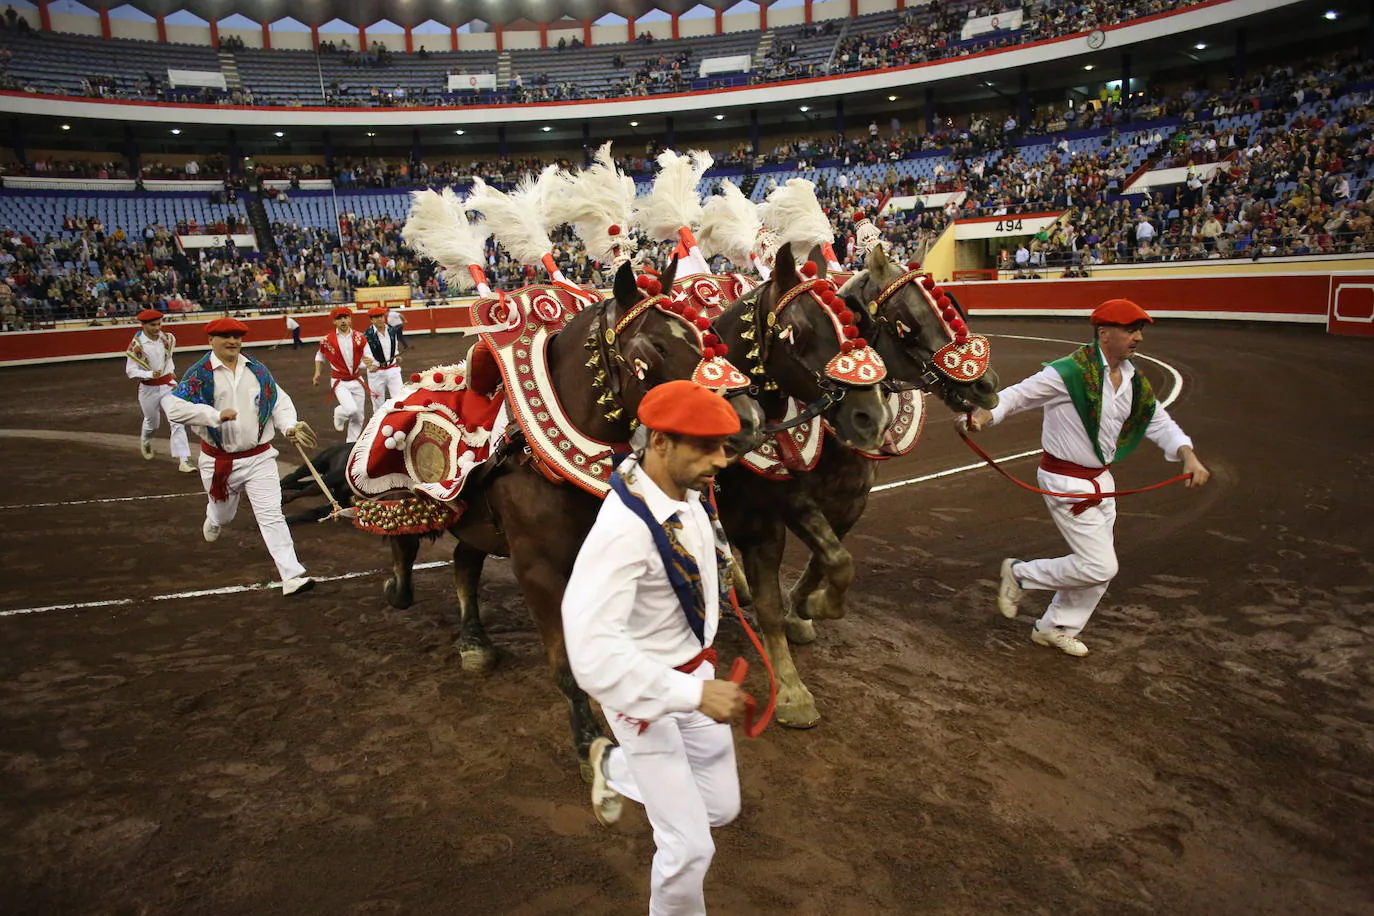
pixel 248 754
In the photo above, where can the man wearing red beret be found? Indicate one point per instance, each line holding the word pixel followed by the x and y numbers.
pixel 343 352
pixel 639 617
pixel 382 358
pixel 236 407
pixel 149 361
pixel 1097 409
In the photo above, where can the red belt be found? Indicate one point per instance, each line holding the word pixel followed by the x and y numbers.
pixel 159 381
pixel 224 466
pixel 708 654
pixel 1054 465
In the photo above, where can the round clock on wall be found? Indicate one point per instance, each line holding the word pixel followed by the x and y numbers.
pixel 1096 39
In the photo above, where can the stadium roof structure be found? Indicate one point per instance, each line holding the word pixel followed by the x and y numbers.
pixel 410 13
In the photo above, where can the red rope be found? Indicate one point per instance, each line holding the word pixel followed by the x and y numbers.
pixel 992 463
pixel 753 724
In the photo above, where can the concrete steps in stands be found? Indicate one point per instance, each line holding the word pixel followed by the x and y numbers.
pixel 230 68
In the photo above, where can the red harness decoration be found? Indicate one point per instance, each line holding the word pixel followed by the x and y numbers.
pixel 224 466
pixel 340 371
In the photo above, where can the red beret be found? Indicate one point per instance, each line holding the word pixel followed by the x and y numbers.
pixel 687 409
pixel 149 315
pixel 341 311
pixel 377 311
pixel 224 327
pixel 1120 311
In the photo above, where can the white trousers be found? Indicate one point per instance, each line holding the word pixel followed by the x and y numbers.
pixel 150 401
pixel 682 770
pixel 256 476
pixel 384 385
pixel 1080 579
pixel 349 413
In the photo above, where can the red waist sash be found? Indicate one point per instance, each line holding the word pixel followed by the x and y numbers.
pixel 1054 465
pixel 224 466
pixel 708 654
pixel 168 379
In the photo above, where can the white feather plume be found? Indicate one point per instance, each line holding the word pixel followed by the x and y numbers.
pixel 519 220
pixel 730 224
pixel 438 228
pixel 592 201
pixel 674 201
pixel 794 213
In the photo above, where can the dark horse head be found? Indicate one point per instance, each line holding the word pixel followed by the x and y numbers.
pixel 635 340
pixel 921 333
pixel 799 334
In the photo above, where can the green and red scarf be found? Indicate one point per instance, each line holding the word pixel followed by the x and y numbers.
pixel 1082 371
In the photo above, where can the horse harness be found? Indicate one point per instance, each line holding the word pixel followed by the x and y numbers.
pixel 962 362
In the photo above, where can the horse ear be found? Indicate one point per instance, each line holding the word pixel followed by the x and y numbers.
pixel 626 293
pixel 877 259
pixel 667 277
pixel 818 258
pixel 785 269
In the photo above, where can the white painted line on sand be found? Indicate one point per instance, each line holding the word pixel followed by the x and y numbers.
pixel 112 499
pixel 199 593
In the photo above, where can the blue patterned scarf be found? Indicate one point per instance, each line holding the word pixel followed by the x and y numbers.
pixel 683 573
pixel 197 386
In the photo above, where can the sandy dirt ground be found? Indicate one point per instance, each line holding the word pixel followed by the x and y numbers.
pixel 248 754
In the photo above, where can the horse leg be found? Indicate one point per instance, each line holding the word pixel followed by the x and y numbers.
pixel 474 646
pixel 399 590
pixel 801 628
pixel 796 706
pixel 830 562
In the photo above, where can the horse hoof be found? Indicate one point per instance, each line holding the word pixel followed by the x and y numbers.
pixel 799 632
pixel 397 597
pixel 818 608
pixel 477 659
pixel 800 713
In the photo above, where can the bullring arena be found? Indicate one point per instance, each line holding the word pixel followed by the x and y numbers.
pixel 187 741
pixel 179 737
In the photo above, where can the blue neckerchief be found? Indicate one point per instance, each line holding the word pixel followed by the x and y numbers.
pixel 374 342
pixel 197 386
pixel 684 575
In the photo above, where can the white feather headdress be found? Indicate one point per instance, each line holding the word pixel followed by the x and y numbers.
pixel 674 201
pixel 793 212
pixel 519 220
pixel 438 228
pixel 730 225
pixel 597 202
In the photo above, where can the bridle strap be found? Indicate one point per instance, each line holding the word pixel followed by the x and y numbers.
pixel 829 397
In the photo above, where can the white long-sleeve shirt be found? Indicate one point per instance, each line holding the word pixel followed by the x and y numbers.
pixel 235 388
pixel 154 354
pixel 1062 433
pixel 623 625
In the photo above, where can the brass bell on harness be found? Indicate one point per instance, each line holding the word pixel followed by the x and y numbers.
pixel 747 333
pixel 615 415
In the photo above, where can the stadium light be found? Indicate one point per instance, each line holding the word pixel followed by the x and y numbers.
pixel 372 133
pixel 278 134
pixel 805 108
pixel 720 117
pixel 892 98
pixel 1331 15
pixel 460 132
pixel 1087 66
pixel 176 131
pixel 66 127
pixel 1200 46
pixel 546 128
pixel 634 123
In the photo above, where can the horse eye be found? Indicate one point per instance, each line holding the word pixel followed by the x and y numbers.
pixel 659 347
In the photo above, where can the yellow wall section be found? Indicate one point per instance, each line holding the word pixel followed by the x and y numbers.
pixel 939 260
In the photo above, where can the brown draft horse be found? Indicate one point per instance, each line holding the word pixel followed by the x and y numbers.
pixel 516 512
pixel 795 347
pixel 824 504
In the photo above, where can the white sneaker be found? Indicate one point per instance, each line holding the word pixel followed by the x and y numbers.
pixel 607 803
pixel 186 467
pixel 297 585
pixel 1009 590
pixel 145 448
pixel 1057 639
pixel 210 530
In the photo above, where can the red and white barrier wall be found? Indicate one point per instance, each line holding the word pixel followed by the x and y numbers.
pixel 23 347
pixel 1342 301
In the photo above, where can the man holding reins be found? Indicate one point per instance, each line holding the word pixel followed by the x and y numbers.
pixel 1097 409
pixel 149 361
pixel 235 405
pixel 639 617
pixel 343 351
